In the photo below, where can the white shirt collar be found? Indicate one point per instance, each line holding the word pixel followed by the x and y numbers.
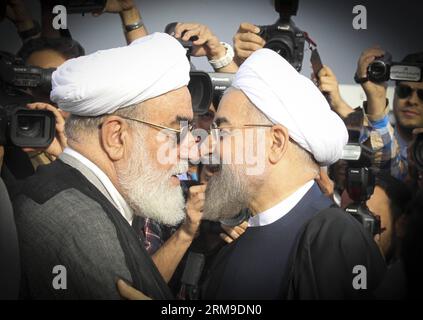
pixel 114 194
pixel 281 209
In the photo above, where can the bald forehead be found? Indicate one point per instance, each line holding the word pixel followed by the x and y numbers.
pixel 170 107
pixel 233 108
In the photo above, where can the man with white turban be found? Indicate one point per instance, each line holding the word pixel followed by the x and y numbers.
pixel 128 138
pixel 282 115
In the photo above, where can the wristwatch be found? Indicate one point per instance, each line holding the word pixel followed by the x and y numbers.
pixel 359 80
pixel 225 60
pixel 134 26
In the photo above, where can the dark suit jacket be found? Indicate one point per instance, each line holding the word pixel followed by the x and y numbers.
pixel 62 219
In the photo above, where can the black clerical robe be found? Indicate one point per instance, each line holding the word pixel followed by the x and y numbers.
pixel 259 265
pixel 64 220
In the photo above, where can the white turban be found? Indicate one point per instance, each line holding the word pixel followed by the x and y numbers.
pixel 292 100
pixel 107 80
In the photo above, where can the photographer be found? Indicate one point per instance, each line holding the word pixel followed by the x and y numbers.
pixel 207 44
pixel 391 143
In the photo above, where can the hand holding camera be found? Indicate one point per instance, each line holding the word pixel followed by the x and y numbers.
pixel 59 142
pixel 205 43
pixel 375 91
pixel 246 41
pixel 371 88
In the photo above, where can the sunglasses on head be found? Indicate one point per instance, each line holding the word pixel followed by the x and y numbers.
pixel 404 91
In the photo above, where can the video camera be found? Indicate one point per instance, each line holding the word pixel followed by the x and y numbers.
pixel 284 37
pixel 383 69
pixel 205 87
pixel 20 126
pixel 360 178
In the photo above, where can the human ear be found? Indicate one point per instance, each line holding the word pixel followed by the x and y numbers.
pixel 279 143
pixel 114 137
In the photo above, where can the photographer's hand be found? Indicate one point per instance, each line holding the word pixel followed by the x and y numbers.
pixel 60 142
pixel 207 43
pixel 246 41
pixel 129 14
pixel 194 207
pixel 329 84
pixel 130 293
pixel 169 255
pixel 375 92
pixel 233 233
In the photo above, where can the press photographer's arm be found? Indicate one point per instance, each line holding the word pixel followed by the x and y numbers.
pixel 206 44
pixel 375 92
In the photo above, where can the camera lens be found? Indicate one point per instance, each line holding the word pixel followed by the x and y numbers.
pixel 201 90
pixel 282 47
pixel 29 127
pixel 378 71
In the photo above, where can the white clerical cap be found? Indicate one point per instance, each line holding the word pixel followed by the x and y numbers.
pixel 107 80
pixel 288 98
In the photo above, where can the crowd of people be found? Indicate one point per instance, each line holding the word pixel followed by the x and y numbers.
pixel 265 187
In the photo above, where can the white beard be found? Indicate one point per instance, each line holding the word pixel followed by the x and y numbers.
pixel 148 190
pixel 226 193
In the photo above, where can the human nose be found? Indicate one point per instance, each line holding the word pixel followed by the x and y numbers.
pixel 413 99
pixel 188 149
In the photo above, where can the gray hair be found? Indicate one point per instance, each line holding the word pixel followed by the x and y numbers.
pixel 306 158
pixel 78 127
pixel 256 116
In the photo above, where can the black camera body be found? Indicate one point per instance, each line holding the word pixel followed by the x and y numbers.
pixel 360 187
pixel 20 126
pixel 383 69
pixel 287 40
pixel 360 183
pixel 284 37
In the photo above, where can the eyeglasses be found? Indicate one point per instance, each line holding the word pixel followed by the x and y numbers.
pixel 404 92
pixel 218 132
pixel 180 133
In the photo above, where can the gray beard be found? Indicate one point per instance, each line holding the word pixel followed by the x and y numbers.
pixel 148 191
pixel 227 193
